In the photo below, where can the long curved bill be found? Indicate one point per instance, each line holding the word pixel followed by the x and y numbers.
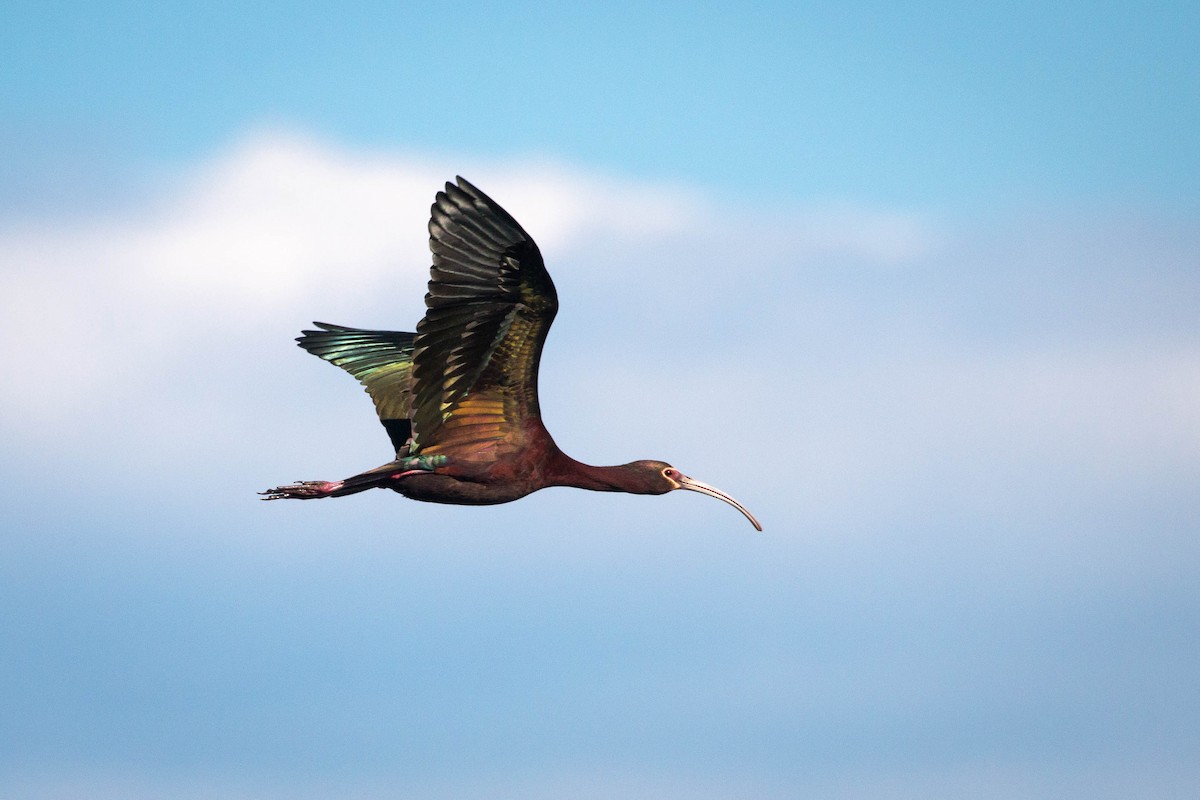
pixel 696 486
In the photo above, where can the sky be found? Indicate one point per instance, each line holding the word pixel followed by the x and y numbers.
pixel 917 285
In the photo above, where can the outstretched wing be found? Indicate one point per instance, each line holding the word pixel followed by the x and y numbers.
pixel 382 361
pixel 476 352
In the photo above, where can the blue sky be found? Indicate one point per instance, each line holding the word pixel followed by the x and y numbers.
pixel 922 103
pixel 916 285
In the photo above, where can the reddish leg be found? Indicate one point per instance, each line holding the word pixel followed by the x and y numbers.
pixel 378 477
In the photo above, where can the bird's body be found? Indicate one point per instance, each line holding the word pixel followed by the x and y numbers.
pixel 459 398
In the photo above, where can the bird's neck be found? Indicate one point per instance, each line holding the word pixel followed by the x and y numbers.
pixel 566 471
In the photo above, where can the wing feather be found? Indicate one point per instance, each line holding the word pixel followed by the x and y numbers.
pixel 489 307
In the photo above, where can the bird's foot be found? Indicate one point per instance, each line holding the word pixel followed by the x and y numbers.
pixel 303 490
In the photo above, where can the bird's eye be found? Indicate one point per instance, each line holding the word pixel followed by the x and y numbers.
pixel 671 473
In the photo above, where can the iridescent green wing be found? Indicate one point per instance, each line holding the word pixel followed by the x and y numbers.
pixel 382 361
pixel 476 353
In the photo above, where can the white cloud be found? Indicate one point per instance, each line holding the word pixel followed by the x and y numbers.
pixel 273 232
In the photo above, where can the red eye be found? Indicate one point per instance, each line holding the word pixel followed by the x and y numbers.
pixel 671 473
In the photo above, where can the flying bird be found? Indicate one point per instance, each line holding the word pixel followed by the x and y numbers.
pixel 459 398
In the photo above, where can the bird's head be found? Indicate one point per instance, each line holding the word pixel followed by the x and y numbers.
pixel 659 477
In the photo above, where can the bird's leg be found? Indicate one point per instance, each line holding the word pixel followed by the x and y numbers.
pixel 378 477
